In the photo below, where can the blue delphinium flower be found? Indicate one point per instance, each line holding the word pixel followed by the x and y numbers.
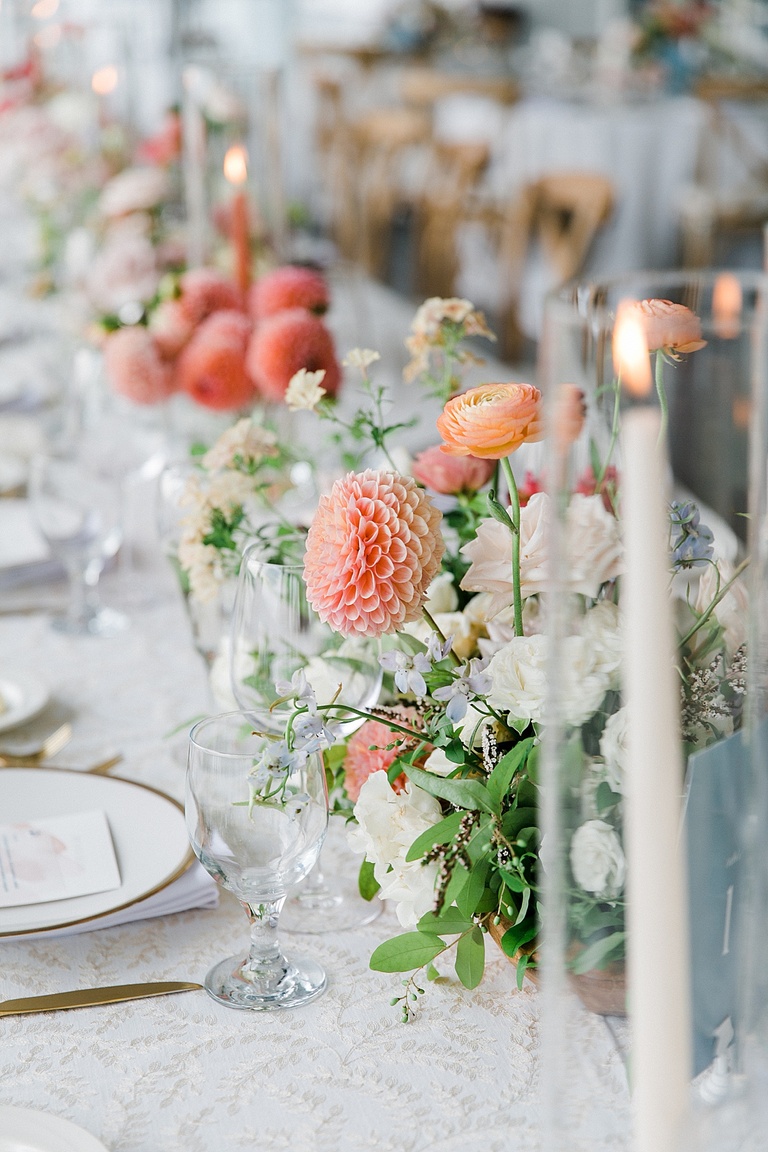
pixel 691 542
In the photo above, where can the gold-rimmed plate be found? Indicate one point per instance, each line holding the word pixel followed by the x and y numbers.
pixel 148 832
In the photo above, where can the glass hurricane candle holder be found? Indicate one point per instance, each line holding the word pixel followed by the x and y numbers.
pixel 652 798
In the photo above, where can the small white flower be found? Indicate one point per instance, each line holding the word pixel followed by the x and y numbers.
pixel 433 311
pixel 597 860
pixel 361 358
pixel 246 439
pixel 304 392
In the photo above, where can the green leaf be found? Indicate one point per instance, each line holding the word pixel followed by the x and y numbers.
pixel 367 883
pixel 432 972
pixel 441 833
pixel 516 819
pixel 449 923
pixel 456 884
pixel 523 907
pixel 605 797
pixel 469 897
pixel 600 953
pixel 405 952
pixel 502 775
pixel 470 958
pixel 514 938
pixel 470 794
pixel 522 964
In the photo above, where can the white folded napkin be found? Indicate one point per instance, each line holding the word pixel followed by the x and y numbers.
pixel 195 889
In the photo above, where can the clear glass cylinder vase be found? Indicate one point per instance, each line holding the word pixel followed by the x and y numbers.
pixel 653 806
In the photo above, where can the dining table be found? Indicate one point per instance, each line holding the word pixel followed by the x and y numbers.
pixel 182 1073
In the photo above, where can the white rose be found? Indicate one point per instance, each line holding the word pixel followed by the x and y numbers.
pixel 602 631
pixel 613 749
pixel 732 611
pixel 442 595
pixel 518 676
pixel 520 687
pixel 595 553
pixel 597 859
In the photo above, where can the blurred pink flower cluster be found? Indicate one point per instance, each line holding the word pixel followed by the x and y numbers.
pixel 225 351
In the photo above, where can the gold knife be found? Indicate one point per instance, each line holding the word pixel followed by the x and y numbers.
pixel 89 997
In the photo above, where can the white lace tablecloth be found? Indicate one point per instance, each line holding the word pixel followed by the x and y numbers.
pixel 182 1074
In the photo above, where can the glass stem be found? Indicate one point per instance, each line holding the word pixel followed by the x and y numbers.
pixel 314 885
pixel 78 591
pixel 266 966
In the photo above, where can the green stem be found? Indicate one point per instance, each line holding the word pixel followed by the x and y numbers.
pixel 614 434
pixel 706 615
pixel 346 708
pixel 431 621
pixel 515 502
pixel 660 392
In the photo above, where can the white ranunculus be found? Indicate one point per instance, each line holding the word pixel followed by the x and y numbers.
pixel 613 749
pixel 442 595
pixel 597 860
pixel 438 763
pixel 602 631
pixel 732 611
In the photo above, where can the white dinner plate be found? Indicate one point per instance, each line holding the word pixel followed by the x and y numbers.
pixel 148 832
pixel 23 696
pixel 27 1130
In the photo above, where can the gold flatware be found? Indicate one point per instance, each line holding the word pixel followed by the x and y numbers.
pixel 52 744
pixel 105 766
pixel 91 997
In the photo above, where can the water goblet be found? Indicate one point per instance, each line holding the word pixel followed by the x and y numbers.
pixel 256 817
pixel 78 508
pixel 275 634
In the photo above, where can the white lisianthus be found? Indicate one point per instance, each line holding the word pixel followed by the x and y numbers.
pixel 732 611
pixel 246 439
pixel 438 763
pixel 388 822
pixel 602 631
pixel 613 749
pixel 442 595
pixel 304 392
pixel 597 860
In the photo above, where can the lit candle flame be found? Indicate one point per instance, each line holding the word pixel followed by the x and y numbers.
pixel 236 165
pixel 104 80
pixel 631 361
pixel 726 305
pixel 44 9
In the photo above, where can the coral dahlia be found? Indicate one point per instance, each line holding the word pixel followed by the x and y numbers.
pixel 368 751
pixel 372 550
pixel 212 366
pixel 289 287
pixel 204 291
pixel 134 367
pixel 285 343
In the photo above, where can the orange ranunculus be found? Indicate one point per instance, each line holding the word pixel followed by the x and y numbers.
pixel 671 327
pixel 491 421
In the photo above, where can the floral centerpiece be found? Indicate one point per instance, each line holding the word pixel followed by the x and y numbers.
pixel 443 777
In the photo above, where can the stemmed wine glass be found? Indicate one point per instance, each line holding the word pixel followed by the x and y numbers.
pixel 78 508
pixel 275 633
pixel 256 818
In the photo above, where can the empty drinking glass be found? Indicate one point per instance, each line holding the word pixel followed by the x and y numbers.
pixel 257 813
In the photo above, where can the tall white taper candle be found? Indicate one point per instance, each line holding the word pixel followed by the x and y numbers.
pixel 658 964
